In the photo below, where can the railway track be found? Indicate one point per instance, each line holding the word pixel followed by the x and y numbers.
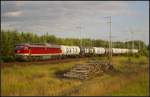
pixel 54 61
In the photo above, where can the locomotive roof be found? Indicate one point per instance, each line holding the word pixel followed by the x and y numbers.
pixel 38 45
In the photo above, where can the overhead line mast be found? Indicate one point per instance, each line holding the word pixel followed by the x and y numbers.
pixel 80 36
pixel 110 42
pixel 132 39
pixel 139 45
pixel 79 27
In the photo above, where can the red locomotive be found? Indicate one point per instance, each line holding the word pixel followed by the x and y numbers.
pixel 37 51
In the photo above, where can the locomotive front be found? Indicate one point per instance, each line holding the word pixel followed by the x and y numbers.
pixel 22 51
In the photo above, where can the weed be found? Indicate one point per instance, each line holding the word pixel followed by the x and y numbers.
pixel 45 80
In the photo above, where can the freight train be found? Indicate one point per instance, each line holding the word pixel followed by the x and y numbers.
pixel 28 51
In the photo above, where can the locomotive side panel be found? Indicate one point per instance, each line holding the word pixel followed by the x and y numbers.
pixel 39 51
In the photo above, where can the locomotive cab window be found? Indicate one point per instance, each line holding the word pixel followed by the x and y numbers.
pixel 19 47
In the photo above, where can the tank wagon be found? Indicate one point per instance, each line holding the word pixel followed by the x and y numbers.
pixel 86 51
pixel 134 51
pixel 71 51
pixel 99 50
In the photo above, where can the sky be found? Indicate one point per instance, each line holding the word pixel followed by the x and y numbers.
pixel 78 19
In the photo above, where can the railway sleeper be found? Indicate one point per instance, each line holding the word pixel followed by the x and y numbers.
pixel 89 70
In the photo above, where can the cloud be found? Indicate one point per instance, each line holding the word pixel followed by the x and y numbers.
pixel 13 14
pixel 62 17
pixel 19 3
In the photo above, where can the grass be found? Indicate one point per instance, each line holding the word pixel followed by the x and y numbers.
pixel 108 85
pixel 45 80
pixel 35 80
pixel 140 87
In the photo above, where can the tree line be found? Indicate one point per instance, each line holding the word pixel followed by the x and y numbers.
pixel 10 38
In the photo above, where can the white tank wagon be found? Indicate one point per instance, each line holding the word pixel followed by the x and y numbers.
pixel 134 50
pixel 87 50
pixel 70 50
pixel 116 50
pixel 123 51
pixel 128 50
pixel 75 50
pixel 99 50
pixel 91 51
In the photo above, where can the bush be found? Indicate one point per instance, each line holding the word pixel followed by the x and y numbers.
pixel 144 52
pixel 7 59
pixel 137 55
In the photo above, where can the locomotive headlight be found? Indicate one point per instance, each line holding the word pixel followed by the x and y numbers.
pixel 18 51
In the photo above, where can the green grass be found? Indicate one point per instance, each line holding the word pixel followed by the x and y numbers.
pixel 132 85
pixel 35 80
pixel 45 80
pixel 140 87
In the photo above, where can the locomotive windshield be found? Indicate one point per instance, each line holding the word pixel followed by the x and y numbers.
pixel 19 47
